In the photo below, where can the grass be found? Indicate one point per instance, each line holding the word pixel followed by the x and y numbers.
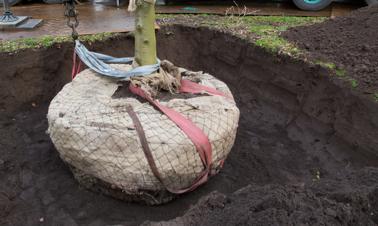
pixel 28 43
pixel 375 95
pixel 277 44
pixel 353 83
pixel 47 41
pixel 328 65
pixel 263 30
pixel 267 30
pixel 340 72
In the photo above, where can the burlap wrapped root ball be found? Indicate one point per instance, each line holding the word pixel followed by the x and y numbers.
pixel 96 137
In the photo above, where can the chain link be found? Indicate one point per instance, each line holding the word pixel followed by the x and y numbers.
pixel 72 20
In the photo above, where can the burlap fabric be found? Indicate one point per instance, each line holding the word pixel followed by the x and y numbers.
pixel 93 133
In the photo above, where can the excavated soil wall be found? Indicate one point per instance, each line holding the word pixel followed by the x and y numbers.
pixel 298 127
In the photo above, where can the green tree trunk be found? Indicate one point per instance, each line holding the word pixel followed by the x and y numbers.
pixel 145 40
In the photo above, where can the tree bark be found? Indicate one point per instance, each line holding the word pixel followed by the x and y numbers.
pixel 145 39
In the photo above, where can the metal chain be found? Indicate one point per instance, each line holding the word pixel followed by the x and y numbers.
pixel 71 14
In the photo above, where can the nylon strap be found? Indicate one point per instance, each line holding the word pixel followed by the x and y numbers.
pixel 202 178
pixel 76 66
pixel 100 64
pixel 188 86
pixel 194 133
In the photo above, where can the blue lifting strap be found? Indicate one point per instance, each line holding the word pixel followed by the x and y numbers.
pixel 100 63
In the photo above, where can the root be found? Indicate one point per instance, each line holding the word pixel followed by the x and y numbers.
pixel 167 79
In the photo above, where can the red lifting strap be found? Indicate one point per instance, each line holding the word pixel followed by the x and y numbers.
pixel 202 178
pixel 194 133
pixel 76 66
pixel 188 86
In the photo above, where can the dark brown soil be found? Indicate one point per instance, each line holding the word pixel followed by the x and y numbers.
pixel 351 42
pixel 306 149
pixel 328 202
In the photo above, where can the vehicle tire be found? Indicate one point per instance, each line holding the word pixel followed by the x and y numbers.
pixel 371 2
pixel 53 1
pixel 313 5
pixel 11 2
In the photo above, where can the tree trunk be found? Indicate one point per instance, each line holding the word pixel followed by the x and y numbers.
pixel 145 40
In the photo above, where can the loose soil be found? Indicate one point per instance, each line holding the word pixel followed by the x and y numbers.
pixel 306 149
pixel 350 42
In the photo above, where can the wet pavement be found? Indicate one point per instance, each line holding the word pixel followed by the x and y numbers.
pixel 95 18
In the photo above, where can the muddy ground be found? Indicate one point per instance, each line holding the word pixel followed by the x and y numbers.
pixel 351 42
pixel 306 149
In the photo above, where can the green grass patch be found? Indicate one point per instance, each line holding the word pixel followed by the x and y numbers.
pixel 271 43
pixel 327 65
pixel 29 43
pixel 340 72
pixel 375 96
pixel 353 83
pixel 285 20
pixel 263 30
pixel 277 44
pixel 267 30
pixel 47 41
pixel 282 21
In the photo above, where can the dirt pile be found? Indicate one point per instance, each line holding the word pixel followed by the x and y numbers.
pixel 351 201
pixel 350 42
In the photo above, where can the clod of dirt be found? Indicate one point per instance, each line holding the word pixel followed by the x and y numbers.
pixel 350 42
